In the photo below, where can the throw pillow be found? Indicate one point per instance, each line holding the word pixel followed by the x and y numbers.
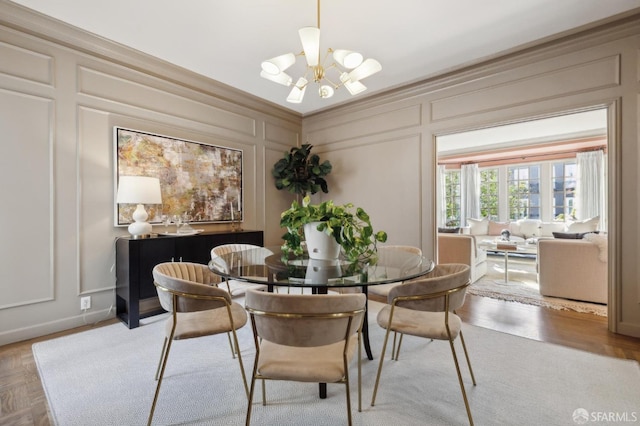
pixel 568 235
pixel 587 225
pixel 572 235
pixel 529 228
pixel 601 242
pixel 548 228
pixel 496 228
pixel 478 226
pixel 449 230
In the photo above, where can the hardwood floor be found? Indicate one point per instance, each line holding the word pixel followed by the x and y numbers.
pixel 22 399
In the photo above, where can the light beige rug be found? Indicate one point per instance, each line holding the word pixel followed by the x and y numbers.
pixel 105 377
pixel 523 287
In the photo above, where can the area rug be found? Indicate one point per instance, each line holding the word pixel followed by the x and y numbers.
pixel 104 377
pixel 523 287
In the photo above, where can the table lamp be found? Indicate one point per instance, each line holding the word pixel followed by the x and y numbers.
pixel 139 190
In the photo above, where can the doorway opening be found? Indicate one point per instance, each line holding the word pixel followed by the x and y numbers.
pixel 543 179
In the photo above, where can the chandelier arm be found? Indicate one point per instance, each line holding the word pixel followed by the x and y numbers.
pixel 335 86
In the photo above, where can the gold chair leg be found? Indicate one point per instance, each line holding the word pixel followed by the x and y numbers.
pixel 384 347
pixel 348 390
pixel 466 354
pixel 165 351
pixel 464 393
pixel 359 373
pixel 264 392
pixel 164 348
pixel 393 346
pixel 244 376
pixel 399 345
pixel 233 351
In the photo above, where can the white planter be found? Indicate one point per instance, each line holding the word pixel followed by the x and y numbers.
pixel 321 271
pixel 320 245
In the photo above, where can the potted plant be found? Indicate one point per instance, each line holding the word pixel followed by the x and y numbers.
pixel 351 230
pixel 300 172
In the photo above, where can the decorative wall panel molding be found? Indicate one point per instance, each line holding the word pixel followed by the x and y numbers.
pixel 114 88
pixel 596 74
pixel 26 64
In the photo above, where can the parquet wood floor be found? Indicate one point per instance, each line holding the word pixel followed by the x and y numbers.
pixel 23 403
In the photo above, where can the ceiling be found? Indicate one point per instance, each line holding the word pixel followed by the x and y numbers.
pixel 227 40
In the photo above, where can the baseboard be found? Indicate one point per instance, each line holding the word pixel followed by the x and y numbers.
pixel 44 329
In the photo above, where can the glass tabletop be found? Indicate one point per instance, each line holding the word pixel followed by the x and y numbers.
pixel 266 265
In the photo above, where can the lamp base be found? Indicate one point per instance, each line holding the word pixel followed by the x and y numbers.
pixel 140 228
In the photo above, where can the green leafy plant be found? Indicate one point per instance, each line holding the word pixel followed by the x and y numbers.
pixel 352 230
pixel 301 172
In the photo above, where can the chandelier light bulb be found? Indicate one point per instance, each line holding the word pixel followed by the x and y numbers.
pixel 278 64
pixel 325 91
pixel 347 58
pixel 366 69
pixel 280 78
pixel 354 87
pixel 297 93
pixel 310 39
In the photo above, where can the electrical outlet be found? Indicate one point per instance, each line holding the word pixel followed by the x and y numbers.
pixel 85 303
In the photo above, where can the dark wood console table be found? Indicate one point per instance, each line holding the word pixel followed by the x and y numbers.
pixel 136 295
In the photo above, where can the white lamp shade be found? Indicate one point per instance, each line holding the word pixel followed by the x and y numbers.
pixel 138 190
pixel 280 78
pixel 279 63
pixel 297 93
pixel 310 39
pixel 354 87
pixel 347 58
pixel 367 68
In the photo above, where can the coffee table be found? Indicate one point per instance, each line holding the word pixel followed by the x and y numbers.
pixel 504 248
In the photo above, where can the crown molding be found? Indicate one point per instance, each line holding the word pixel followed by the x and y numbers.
pixel 22 19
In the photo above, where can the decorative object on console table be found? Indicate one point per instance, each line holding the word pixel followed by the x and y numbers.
pixel 139 190
pixel 136 296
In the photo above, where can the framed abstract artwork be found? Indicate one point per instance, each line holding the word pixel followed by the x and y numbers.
pixel 196 179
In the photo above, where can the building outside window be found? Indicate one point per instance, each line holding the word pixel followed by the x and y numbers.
pixel 452 197
pixel 523 183
pixel 489 193
pixel 564 188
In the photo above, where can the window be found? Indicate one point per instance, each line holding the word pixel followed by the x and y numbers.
pixel 489 193
pixel 524 191
pixel 564 188
pixel 452 196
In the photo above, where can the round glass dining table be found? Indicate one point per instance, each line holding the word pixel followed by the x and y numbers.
pixel 268 266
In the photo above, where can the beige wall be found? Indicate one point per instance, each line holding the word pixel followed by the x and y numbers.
pixel 62 91
pixel 58 107
pixel 383 149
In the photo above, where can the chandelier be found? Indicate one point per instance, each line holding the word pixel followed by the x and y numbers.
pixel 348 66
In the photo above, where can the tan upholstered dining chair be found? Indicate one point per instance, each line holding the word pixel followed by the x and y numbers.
pixel 383 289
pixel 236 287
pixel 305 338
pixel 425 307
pixel 198 308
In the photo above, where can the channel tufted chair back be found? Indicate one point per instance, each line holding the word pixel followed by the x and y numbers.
pixel 426 307
pixel 198 308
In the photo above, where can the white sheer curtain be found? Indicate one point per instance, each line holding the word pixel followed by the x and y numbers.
pixel 470 188
pixel 590 186
pixel 441 197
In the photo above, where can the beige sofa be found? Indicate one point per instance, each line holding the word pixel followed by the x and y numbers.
pixel 460 248
pixel 573 269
